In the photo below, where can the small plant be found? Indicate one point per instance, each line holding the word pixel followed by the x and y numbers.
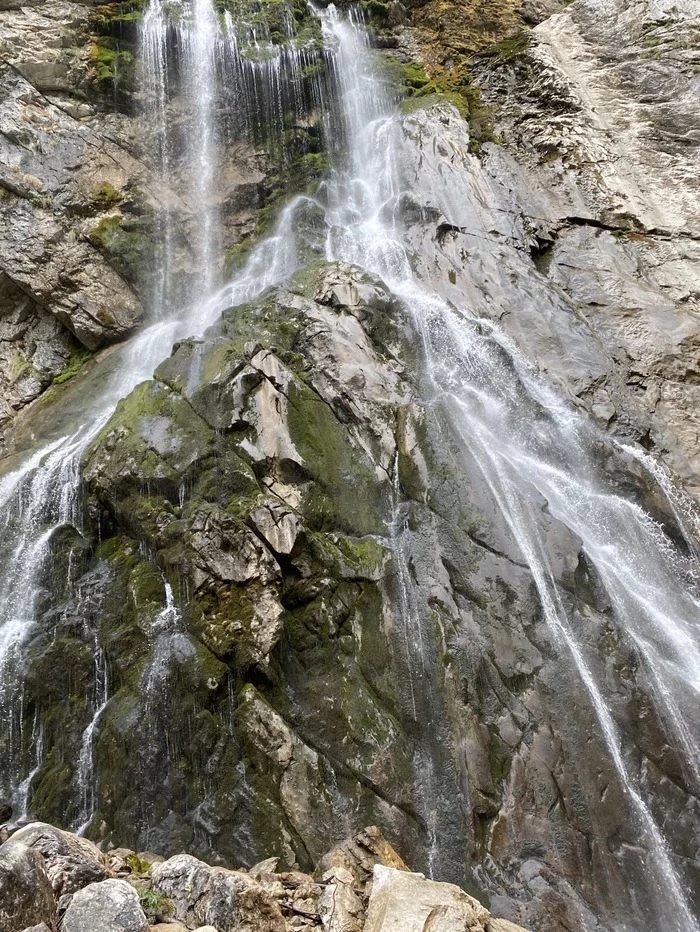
pixel 154 905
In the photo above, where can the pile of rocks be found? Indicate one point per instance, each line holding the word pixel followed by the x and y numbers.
pixel 54 881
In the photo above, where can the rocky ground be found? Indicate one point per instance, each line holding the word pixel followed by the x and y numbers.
pixel 53 880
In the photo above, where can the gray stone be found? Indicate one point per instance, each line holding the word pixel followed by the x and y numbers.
pixel 405 902
pixel 71 862
pixel 203 895
pixel 26 897
pixel 110 906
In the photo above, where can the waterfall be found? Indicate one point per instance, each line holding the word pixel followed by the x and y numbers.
pixel 529 446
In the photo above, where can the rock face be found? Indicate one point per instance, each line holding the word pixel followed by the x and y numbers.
pixel 306 609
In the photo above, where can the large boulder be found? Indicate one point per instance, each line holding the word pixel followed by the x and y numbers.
pixel 405 902
pixel 203 895
pixel 71 862
pixel 108 906
pixel 26 897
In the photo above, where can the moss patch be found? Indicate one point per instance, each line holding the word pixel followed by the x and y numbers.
pixel 77 360
pixel 128 244
pixel 423 88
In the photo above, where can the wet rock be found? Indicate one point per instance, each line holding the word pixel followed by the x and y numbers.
pixel 26 896
pixel 110 906
pixel 71 862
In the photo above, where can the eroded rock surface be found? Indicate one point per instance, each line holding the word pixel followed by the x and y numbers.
pixel 26 897
pixel 71 862
pixel 111 906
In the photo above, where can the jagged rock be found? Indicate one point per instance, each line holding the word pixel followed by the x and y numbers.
pixel 340 908
pixel 26 896
pixel 360 854
pixel 110 906
pixel 229 900
pixel 71 862
pixel 42 927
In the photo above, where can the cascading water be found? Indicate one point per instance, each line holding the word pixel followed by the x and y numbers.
pixel 529 447
pixel 527 444
pixel 186 51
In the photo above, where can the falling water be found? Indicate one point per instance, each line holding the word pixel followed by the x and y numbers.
pixel 525 441
pixel 43 494
pixel 528 445
pixel 85 777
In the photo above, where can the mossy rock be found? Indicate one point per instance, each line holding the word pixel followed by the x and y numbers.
pixel 128 244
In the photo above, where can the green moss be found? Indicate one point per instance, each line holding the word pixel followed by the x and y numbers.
pixel 128 244
pixel 235 257
pixel 281 21
pixel 114 50
pixel 77 360
pixel 509 48
pixel 105 196
pixel 375 8
pixel 345 494
pixel 111 63
pixel 454 85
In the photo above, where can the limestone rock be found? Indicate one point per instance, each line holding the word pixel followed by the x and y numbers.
pixel 71 862
pixel 229 900
pixel 360 854
pixel 340 908
pixel 26 896
pixel 110 906
pixel 405 902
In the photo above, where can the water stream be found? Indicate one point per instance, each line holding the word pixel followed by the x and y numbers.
pixel 528 444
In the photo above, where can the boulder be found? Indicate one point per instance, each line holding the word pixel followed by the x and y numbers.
pixel 405 902
pixel 26 897
pixel 360 854
pixel 71 862
pixel 42 927
pixel 340 908
pixel 108 906
pixel 203 895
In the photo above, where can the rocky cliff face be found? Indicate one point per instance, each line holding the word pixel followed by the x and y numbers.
pixel 293 584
